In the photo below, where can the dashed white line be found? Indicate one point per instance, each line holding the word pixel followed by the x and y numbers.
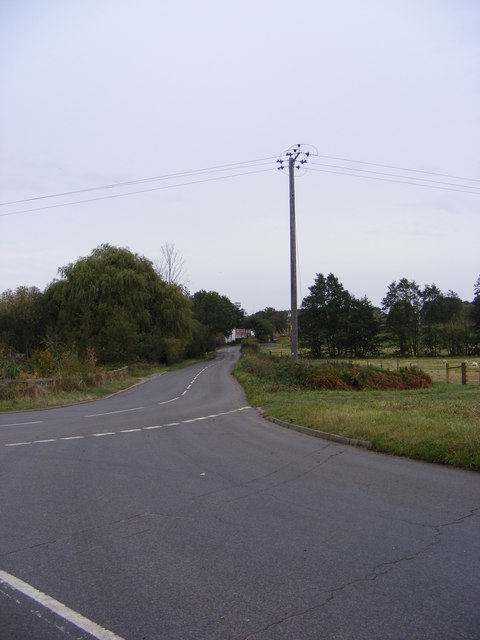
pixel 135 430
pixel 111 413
pixel 90 627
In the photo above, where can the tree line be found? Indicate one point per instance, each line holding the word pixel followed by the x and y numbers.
pixel 116 307
pixel 412 321
pixel 116 304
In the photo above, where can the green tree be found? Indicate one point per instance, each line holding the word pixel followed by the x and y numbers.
pixel 454 324
pixel 476 312
pixel 432 318
pixel 403 304
pixel 265 324
pixel 334 322
pixel 363 329
pixel 114 301
pixel 217 312
pixel 22 319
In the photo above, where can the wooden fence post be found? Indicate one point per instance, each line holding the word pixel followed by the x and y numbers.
pixel 464 373
pixel 447 368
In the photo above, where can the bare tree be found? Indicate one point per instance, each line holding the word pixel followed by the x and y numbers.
pixel 171 266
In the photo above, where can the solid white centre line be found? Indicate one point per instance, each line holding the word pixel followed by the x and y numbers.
pixel 95 630
pixel 167 401
pixel 21 424
pixel 111 413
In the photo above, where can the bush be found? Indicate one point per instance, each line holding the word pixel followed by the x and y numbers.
pixel 172 350
pixel 45 363
pixel 336 377
pixel 251 344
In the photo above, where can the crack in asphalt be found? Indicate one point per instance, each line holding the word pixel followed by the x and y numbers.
pixel 313 467
pixel 146 514
pixel 378 571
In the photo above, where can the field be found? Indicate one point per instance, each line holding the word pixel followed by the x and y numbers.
pixel 441 424
pixel 435 367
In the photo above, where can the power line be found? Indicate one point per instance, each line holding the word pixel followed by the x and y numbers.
pixel 394 175
pixel 130 193
pixel 389 166
pixel 182 174
pixel 253 164
pixel 409 182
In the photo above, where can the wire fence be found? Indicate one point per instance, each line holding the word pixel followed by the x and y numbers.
pixel 452 371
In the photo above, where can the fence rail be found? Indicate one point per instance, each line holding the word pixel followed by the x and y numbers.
pixel 466 373
pixel 19 384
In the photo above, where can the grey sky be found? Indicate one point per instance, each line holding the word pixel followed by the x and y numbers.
pixel 99 92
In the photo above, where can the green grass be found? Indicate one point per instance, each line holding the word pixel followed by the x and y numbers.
pixel 441 424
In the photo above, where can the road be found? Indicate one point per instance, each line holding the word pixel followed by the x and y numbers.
pixel 174 511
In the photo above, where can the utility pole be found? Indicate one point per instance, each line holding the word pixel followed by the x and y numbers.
pixel 293 155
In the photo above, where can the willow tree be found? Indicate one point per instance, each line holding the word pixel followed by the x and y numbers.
pixel 114 301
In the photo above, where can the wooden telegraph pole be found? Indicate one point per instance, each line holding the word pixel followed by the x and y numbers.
pixel 293 155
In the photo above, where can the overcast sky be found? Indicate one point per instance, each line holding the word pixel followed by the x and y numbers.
pixel 100 92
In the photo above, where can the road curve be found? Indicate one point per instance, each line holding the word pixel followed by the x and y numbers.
pixel 174 511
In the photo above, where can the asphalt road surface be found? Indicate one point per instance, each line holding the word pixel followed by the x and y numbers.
pixel 174 511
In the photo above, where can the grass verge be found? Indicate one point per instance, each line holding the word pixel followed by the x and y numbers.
pixel 440 424
pixel 49 398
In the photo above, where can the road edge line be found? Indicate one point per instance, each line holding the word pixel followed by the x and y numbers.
pixel 94 629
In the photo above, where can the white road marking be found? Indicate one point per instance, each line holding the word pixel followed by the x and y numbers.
pixel 167 401
pixel 136 430
pixel 111 413
pixel 21 424
pixel 95 630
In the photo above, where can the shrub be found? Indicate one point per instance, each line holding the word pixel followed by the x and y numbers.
pixel 336 377
pixel 45 363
